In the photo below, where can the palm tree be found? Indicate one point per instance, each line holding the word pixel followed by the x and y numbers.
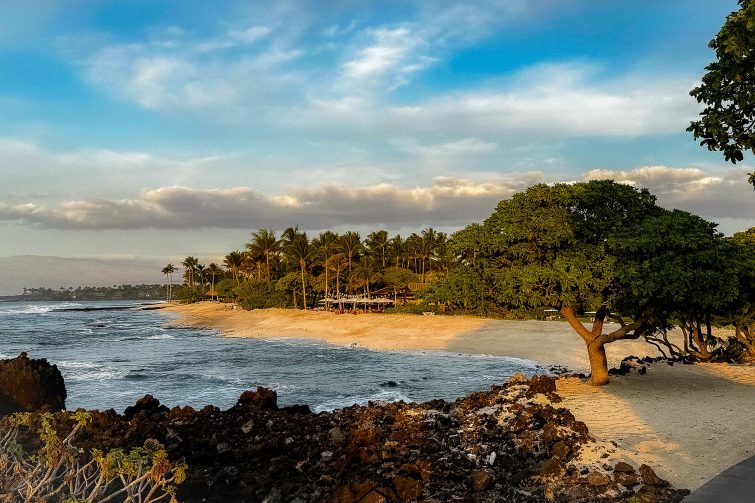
pixel 350 244
pixel 265 244
pixel 337 263
pixel 214 271
pixel 324 245
pixel 376 244
pixel 299 250
pixel 190 263
pixel 366 272
pixel 201 275
pixel 397 250
pixel 233 262
pixel 168 270
pixel 426 249
pixel 443 253
pixel 413 247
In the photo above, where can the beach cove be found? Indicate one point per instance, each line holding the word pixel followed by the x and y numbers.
pixel 689 421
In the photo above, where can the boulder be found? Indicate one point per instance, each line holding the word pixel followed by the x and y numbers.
pixel 30 385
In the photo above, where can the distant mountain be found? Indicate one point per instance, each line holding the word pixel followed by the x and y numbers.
pixel 32 271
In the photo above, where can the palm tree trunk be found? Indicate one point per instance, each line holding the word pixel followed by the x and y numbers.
pixel 326 289
pixel 302 266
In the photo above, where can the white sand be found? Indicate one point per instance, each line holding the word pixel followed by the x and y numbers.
pixel 689 422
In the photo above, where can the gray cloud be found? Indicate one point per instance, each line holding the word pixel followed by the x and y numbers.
pixel 447 202
pixel 714 193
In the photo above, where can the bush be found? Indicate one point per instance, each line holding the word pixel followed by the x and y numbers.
pixel 259 295
pixel 57 470
pixel 225 288
pixel 189 295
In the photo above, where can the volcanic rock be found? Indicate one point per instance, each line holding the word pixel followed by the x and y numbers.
pixel 30 385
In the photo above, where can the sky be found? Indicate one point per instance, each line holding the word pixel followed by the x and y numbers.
pixel 174 128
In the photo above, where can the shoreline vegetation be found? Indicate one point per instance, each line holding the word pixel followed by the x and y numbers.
pixel 687 421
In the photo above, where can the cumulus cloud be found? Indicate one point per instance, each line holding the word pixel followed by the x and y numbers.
pixel 447 201
pixel 715 193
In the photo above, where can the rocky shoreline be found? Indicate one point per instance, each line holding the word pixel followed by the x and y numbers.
pixel 511 443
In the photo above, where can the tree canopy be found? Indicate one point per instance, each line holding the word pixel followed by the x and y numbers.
pixel 598 248
pixel 727 123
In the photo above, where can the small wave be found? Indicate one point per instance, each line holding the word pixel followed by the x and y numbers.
pixel 30 309
pixel 160 337
pixel 85 371
pixel 282 387
pixel 347 401
pixel 132 376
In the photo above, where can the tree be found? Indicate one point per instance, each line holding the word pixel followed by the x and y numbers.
pixel 300 251
pixel 190 264
pixel 168 270
pixel 744 308
pixel 233 262
pixel 365 273
pixel 324 246
pixel 265 244
pixel 397 251
pixel 426 247
pixel 376 244
pixel 599 247
pixel 350 244
pixel 727 123
pixel 214 271
pixel 337 263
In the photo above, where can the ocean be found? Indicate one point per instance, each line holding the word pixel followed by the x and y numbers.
pixel 112 353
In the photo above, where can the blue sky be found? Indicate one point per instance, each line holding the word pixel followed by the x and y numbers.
pixel 162 129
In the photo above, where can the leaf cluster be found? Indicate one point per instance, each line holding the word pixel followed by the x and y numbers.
pixel 727 123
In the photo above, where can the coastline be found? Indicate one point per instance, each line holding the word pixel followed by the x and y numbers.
pixel 550 343
pixel 690 422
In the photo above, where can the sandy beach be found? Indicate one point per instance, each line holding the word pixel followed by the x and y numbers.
pixel 689 422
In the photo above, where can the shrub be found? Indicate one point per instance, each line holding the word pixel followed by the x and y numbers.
pixel 259 295
pixel 57 470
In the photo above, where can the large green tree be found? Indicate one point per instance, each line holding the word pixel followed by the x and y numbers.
pixel 600 248
pixel 727 123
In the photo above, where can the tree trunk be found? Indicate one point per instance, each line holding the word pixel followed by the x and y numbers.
pixel 596 351
pixel 327 302
pixel 303 286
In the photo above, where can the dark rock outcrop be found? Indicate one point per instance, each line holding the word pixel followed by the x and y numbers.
pixel 30 385
pixel 512 443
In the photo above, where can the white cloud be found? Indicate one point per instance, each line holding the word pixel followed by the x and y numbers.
pixel 391 56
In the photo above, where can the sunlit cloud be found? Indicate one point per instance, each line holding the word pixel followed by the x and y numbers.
pixel 447 201
pixel 715 193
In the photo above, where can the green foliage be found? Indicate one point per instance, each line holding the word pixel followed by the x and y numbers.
pixel 460 290
pixel 189 295
pixel 259 295
pixel 225 288
pixel 727 123
pixel 398 277
pixel 115 292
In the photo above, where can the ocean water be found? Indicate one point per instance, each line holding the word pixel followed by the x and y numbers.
pixel 111 354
